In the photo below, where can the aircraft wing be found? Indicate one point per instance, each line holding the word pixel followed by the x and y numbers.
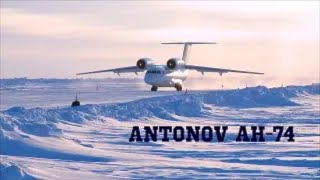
pixel 128 69
pixel 203 69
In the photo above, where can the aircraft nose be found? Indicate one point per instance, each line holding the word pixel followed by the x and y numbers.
pixel 147 79
pixel 150 79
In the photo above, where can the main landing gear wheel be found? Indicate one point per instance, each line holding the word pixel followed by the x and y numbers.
pixel 154 88
pixel 178 87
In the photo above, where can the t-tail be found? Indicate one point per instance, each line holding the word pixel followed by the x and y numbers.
pixel 187 47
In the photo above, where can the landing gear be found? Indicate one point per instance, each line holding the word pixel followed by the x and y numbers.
pixel 154 88
pixel 178 87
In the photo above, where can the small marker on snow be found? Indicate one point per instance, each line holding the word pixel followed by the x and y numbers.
pixel 76 102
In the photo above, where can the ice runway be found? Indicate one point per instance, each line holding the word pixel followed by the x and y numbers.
pixel 61 92
pixel 43 138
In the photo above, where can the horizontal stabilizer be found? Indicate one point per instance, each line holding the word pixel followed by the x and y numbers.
pixel 190 43
pixel 187 46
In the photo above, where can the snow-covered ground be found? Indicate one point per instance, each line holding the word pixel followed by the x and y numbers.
pixel 43 138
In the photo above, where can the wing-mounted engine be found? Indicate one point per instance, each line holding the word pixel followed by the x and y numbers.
pixel 144 62
pixel 174 63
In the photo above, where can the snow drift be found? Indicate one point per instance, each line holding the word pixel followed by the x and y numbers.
pixel 13 171
pixel 42 122
pixel 32 134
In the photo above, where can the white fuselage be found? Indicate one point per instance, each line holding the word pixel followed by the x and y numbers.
pixel 161 76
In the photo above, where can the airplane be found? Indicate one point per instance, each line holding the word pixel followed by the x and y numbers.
pixel 173 74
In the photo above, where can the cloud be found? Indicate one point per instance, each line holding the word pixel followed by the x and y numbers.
pixel 39 24
pixel 61 25
pixel 278 38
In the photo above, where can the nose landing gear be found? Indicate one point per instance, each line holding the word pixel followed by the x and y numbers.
pixel 154 88
pixel 178 87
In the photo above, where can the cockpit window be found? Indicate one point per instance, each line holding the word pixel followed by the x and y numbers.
pixel 153 72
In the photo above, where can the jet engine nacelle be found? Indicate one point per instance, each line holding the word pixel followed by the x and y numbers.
pixel 144 62
pixel 174 63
